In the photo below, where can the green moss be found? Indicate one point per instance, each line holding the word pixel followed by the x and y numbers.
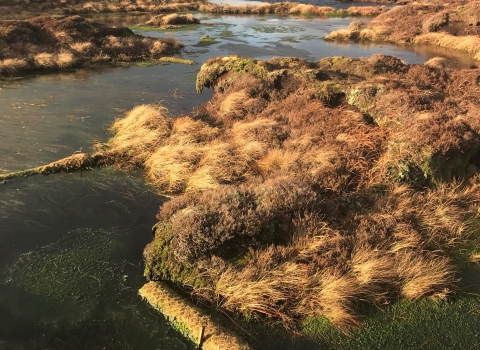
pixel 170 28
pixel 226 34
pixel 290 40
pixel 213 69
pixel 206 41
pixel 364 97
pixel 423 324
pixel 159 261
pixel 425 168
pixel 51 281
pixel 149 63
pixel 330 91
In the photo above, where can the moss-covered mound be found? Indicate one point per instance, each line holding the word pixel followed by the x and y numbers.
pixel 453 24
pixel 305 189
pixel 59 42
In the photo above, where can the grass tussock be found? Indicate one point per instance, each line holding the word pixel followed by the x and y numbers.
pixel 146 123
pixel 52 43
pixel 452 25
pixel 173 19
pixel 313 188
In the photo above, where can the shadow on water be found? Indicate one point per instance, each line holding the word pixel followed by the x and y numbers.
pixel 71 246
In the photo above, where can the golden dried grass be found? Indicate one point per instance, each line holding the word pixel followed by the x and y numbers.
pixel 45 60
pixel 424 275
pixel 83 47
pixel 290 8
pixel 65 60
pixel 469 44
pixel 278 161
pixel 341 34
pixel 332 295
pixel 139 133
pixel 12 65
pixel 170 167
pixel 231 106
pixel 436 62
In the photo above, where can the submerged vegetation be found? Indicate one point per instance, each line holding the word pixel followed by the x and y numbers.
pixel 454 25
pixel 313 189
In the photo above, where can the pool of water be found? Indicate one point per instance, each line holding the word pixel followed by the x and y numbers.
pixel 71 244
pixel 268 36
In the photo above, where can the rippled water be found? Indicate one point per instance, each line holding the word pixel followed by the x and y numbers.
pixel 71 245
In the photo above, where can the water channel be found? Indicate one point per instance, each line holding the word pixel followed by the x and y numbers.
pixel 71 244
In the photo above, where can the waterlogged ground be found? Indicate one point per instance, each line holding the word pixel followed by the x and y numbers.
pixel 71 244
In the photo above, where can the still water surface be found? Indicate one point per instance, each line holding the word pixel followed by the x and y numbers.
pixel 71 245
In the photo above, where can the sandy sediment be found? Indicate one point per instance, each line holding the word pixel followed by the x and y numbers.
pixel 190 318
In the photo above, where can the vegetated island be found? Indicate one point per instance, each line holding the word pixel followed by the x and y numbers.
pixel 452 24
pixel 49 43
pixel 312 189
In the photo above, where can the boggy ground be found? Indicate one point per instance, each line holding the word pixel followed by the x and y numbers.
pixel 453 24
pixel 22 9
pixel 313 189
pixel 58 42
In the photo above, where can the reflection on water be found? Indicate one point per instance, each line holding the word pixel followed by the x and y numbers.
pixel 70 245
